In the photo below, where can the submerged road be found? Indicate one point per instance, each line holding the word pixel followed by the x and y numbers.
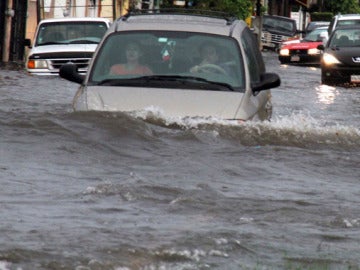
pixel 90 191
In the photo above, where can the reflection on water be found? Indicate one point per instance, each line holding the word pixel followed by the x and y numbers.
pixel 326 94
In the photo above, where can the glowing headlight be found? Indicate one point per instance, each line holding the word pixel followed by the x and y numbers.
pixel 37 64
pixel 329 59
pixel 284 52
pixel 313 51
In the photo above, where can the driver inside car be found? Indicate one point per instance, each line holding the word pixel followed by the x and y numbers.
pixel 209 62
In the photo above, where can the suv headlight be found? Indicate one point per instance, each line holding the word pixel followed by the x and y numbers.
pixel 37 64
pixel 329 59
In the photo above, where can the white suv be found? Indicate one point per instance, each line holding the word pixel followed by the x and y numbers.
pixel 60 41
pixel 170 75
pixel 343 20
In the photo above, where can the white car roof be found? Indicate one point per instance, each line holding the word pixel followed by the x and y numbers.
pixel 177 22
pixel 80 19
pixel 348 16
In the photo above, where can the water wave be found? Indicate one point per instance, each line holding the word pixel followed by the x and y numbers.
pixel 295 130
pixel 298 130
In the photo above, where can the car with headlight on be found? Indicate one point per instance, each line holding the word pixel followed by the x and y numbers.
pixel 340 61
pixel 315 24
pixel 62 40
pixel 177 63
pixel 303 51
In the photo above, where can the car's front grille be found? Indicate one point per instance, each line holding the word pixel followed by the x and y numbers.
pixel 298 52
pixel 81 63
pixel 268 38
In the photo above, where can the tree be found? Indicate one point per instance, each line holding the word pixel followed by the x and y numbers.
pixel 343 7
pixel 239 8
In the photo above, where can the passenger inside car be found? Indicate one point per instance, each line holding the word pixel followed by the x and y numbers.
pixel 133 53
pixel 343 41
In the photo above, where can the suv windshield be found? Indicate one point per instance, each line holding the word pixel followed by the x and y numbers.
pixel 169 59
pixel 70 32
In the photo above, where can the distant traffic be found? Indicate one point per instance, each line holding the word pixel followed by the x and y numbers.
pixel 334 46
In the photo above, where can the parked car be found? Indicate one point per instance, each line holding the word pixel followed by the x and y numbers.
pixel 182 65
pixel 315 24
pixel 303 51
pixel 276 29
pixel 340 62
pixel 59 41
pixel 342 20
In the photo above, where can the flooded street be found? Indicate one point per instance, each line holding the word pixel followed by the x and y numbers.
pixel 91 191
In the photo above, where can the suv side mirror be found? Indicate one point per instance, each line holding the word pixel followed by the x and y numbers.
pixel 267 81
pixel 70 73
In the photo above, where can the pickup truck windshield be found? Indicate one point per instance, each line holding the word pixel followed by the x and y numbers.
pixel 70 32
pixel 279 24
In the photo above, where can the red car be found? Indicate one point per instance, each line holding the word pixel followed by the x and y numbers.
pixel 303 51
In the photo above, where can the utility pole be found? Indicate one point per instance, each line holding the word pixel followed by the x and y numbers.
pixel 7 35
pixel 257 23
pixel 258 8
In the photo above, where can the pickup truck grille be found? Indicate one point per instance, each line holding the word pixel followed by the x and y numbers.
pixel 271 40
pixel 57 59
pixel 81 63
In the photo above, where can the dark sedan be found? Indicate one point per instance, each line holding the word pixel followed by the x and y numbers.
pixel 340 62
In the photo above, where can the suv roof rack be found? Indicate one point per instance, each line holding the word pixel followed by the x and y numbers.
pixel 230 18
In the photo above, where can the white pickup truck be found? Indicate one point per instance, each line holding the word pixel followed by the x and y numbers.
pixel 65 40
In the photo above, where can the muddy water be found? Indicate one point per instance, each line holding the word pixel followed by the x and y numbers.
pixel 112 191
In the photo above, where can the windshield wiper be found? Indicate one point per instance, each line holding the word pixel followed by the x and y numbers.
pixel 82 41
pixel 198 79
pixel 51 43
pixel 164 78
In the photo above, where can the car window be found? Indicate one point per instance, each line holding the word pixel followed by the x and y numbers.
pixel 253 56
pixel 316 35
pixel 166 54
pixel 70 32
pixel 314 25
pixel 348 22
pixel 345 38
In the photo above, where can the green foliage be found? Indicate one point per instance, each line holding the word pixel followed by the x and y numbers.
pixel 239 8
pixel 343 6
pixel 321 16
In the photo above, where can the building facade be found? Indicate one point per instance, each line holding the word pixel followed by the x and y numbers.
pixel 19 18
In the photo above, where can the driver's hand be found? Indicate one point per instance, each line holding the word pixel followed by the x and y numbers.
pixel 194 69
